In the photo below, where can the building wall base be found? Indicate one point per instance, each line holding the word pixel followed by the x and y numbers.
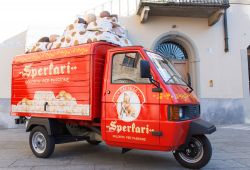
pixel 225 111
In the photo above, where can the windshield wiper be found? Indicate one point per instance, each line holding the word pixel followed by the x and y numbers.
pixel 174 75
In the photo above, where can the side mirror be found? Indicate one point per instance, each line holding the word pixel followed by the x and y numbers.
pixel 145 69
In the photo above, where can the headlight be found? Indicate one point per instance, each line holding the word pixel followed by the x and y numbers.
pixel 181 113
pixel 184 112
pixel 176 113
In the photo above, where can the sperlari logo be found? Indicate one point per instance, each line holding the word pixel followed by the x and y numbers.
pixel 130 128
pixel 51 69
pixel 128 100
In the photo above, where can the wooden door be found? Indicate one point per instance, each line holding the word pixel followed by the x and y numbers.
pixel 176 53
pixel 183 69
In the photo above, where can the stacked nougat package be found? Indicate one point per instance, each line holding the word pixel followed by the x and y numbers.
pixel 86 30
pixel 60 104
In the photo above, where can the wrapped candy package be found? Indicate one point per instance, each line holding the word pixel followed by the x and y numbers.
pixel 90 29
pixel 61 104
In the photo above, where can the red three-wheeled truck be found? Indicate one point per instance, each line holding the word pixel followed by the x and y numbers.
pixel 127 97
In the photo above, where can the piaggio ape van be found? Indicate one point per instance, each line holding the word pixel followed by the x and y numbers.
pixel 128 97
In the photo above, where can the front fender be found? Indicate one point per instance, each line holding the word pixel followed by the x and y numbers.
pixel 198 127
pixel 201 127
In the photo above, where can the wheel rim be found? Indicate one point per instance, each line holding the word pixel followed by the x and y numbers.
pixel 194 152
pixel 38 142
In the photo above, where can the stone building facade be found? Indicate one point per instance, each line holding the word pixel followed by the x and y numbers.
pixel 208 42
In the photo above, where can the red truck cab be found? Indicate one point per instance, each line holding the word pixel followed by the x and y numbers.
pixel 128 97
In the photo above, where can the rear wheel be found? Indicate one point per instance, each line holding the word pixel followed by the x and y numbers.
pixel 196 155
pixel 41 144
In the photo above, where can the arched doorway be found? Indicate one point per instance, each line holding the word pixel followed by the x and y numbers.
pixel 177 54
pixel 182 52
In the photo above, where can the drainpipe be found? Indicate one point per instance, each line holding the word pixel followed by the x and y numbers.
pixel 226 32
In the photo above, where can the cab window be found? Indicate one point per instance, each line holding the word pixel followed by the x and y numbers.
pixel 126 69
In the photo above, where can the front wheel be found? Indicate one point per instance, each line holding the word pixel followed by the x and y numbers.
pixel 197 154
pixel 41 144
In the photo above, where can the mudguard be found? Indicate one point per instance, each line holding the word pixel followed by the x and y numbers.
pixel 45 122
pixel 198 127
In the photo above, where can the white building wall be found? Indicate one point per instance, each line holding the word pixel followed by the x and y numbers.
pixel 225 99
pixel 9 49
pixel 223 68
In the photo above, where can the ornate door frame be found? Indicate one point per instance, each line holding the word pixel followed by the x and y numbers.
pixel 191 50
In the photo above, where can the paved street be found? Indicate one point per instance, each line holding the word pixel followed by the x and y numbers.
pixel 231 146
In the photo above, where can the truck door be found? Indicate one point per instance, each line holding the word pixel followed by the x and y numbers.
pixel 132 109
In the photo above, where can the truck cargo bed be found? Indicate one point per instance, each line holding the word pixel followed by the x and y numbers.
pixel 59 83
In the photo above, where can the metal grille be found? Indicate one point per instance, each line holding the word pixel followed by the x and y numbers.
pixel 192 111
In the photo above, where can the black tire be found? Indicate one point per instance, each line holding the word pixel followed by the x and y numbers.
pixel 93 142
pixel 195 157
pixel 49 142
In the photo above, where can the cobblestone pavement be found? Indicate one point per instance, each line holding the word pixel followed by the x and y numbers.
pixel 231 150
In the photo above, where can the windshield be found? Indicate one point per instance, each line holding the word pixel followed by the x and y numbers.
pixel 165 69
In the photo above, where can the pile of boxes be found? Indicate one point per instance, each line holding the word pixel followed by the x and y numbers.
pixel 86 30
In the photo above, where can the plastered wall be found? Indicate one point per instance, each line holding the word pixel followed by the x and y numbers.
pixel 224 69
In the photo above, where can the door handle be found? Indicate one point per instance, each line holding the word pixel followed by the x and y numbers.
pixel 157 133
pixel 108 92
